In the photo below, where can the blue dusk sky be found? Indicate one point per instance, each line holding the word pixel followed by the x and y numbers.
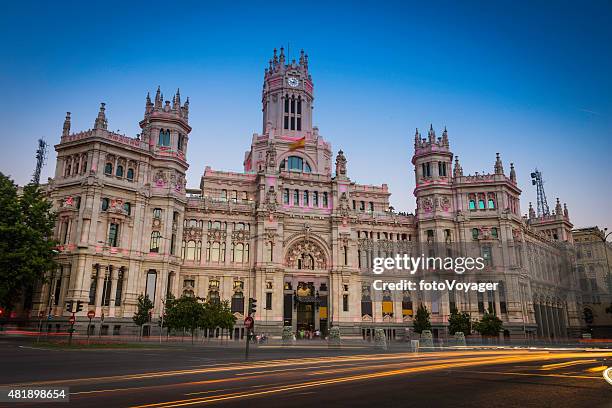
pixel 531 80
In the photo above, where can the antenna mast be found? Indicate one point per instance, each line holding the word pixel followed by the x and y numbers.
pixel 41 156
pixel 536 180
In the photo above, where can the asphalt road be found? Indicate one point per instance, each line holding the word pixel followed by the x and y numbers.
pixel 312 376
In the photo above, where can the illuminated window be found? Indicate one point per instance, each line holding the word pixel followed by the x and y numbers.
pixel 472 205
pixel 155 237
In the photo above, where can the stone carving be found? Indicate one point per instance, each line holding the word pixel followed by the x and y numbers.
pixel 306 254
pixel 340 164
pixel 427 204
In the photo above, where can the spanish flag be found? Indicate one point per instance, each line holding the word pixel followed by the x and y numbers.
pixel 298 144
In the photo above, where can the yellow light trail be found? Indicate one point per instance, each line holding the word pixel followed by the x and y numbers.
pixel 566 364
pixel 491 361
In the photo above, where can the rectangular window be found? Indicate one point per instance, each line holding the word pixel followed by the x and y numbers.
pixel 113 235
pixel 93 285
pixel 305 198
pixel 345 303
pixel 151 282
pixel 296 197
pixel 286 124
pixel 480 297
pixel 157 213
pixel 315 199
pixel 286 196
pixel 325 201
pixel 299 123
pixel 268 300
pixel 292 123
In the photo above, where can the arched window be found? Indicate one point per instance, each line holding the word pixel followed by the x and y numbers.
pixel 190 251
pixel 155 237
pixel 307 168
pixel 472 204
pixel 68 170
pixel 306 198
pixel 164 137
pixel 315 198
pixel 296 197
pixel 105 203
pixel 215 252
pixel 130 174
pixel 491 203
pixel 181 142
pixel 119 172
pixel 295 163
pixel 481 204
pixel 238 253
pixel 108 169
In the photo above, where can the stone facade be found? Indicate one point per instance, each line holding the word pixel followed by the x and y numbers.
pixel 292 230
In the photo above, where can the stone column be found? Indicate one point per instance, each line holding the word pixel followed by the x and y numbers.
pixel 539 322
pixel 100 289
pixel 551 325
pixel 114 275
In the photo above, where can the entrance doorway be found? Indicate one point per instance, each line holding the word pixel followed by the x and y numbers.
pixel 305 316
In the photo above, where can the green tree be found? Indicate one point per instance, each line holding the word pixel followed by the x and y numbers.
pixel 459 322
pixel 27 248
pixel 421 320
pixel 186 313
pixel 142 315
pixel 489 326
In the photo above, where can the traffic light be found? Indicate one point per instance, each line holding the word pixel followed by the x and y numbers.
pixel 69 306
pixel 79 306
pixel 252 306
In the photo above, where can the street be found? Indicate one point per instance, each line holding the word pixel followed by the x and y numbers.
pixel 311 375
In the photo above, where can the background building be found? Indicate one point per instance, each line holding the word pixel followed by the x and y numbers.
pixel 292 230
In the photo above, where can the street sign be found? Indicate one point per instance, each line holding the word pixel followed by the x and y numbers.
pixel 72 319
pixel 248 322
pixel 91 314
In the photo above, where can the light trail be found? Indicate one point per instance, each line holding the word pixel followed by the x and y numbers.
pixel 317 383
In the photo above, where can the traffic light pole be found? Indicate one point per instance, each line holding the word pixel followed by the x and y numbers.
pixel 72 321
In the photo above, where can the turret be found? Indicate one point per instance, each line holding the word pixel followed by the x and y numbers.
pixel 66 130
pixel 512 173
pixel 499 167
pixel 101 122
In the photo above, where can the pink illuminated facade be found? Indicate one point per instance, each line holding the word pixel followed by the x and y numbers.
pixel 292 230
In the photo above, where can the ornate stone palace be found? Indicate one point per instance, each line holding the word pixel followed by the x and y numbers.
pixel 292 230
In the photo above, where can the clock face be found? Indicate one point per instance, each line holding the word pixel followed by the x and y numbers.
pixel 293 82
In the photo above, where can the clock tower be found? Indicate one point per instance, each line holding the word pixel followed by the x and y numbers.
pixel 287 95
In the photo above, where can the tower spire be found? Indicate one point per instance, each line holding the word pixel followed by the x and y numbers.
pixel 499 167
pixel 66 130
pixel 512 173
pixel 101 122
pixel 458 170
pixel 445 137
